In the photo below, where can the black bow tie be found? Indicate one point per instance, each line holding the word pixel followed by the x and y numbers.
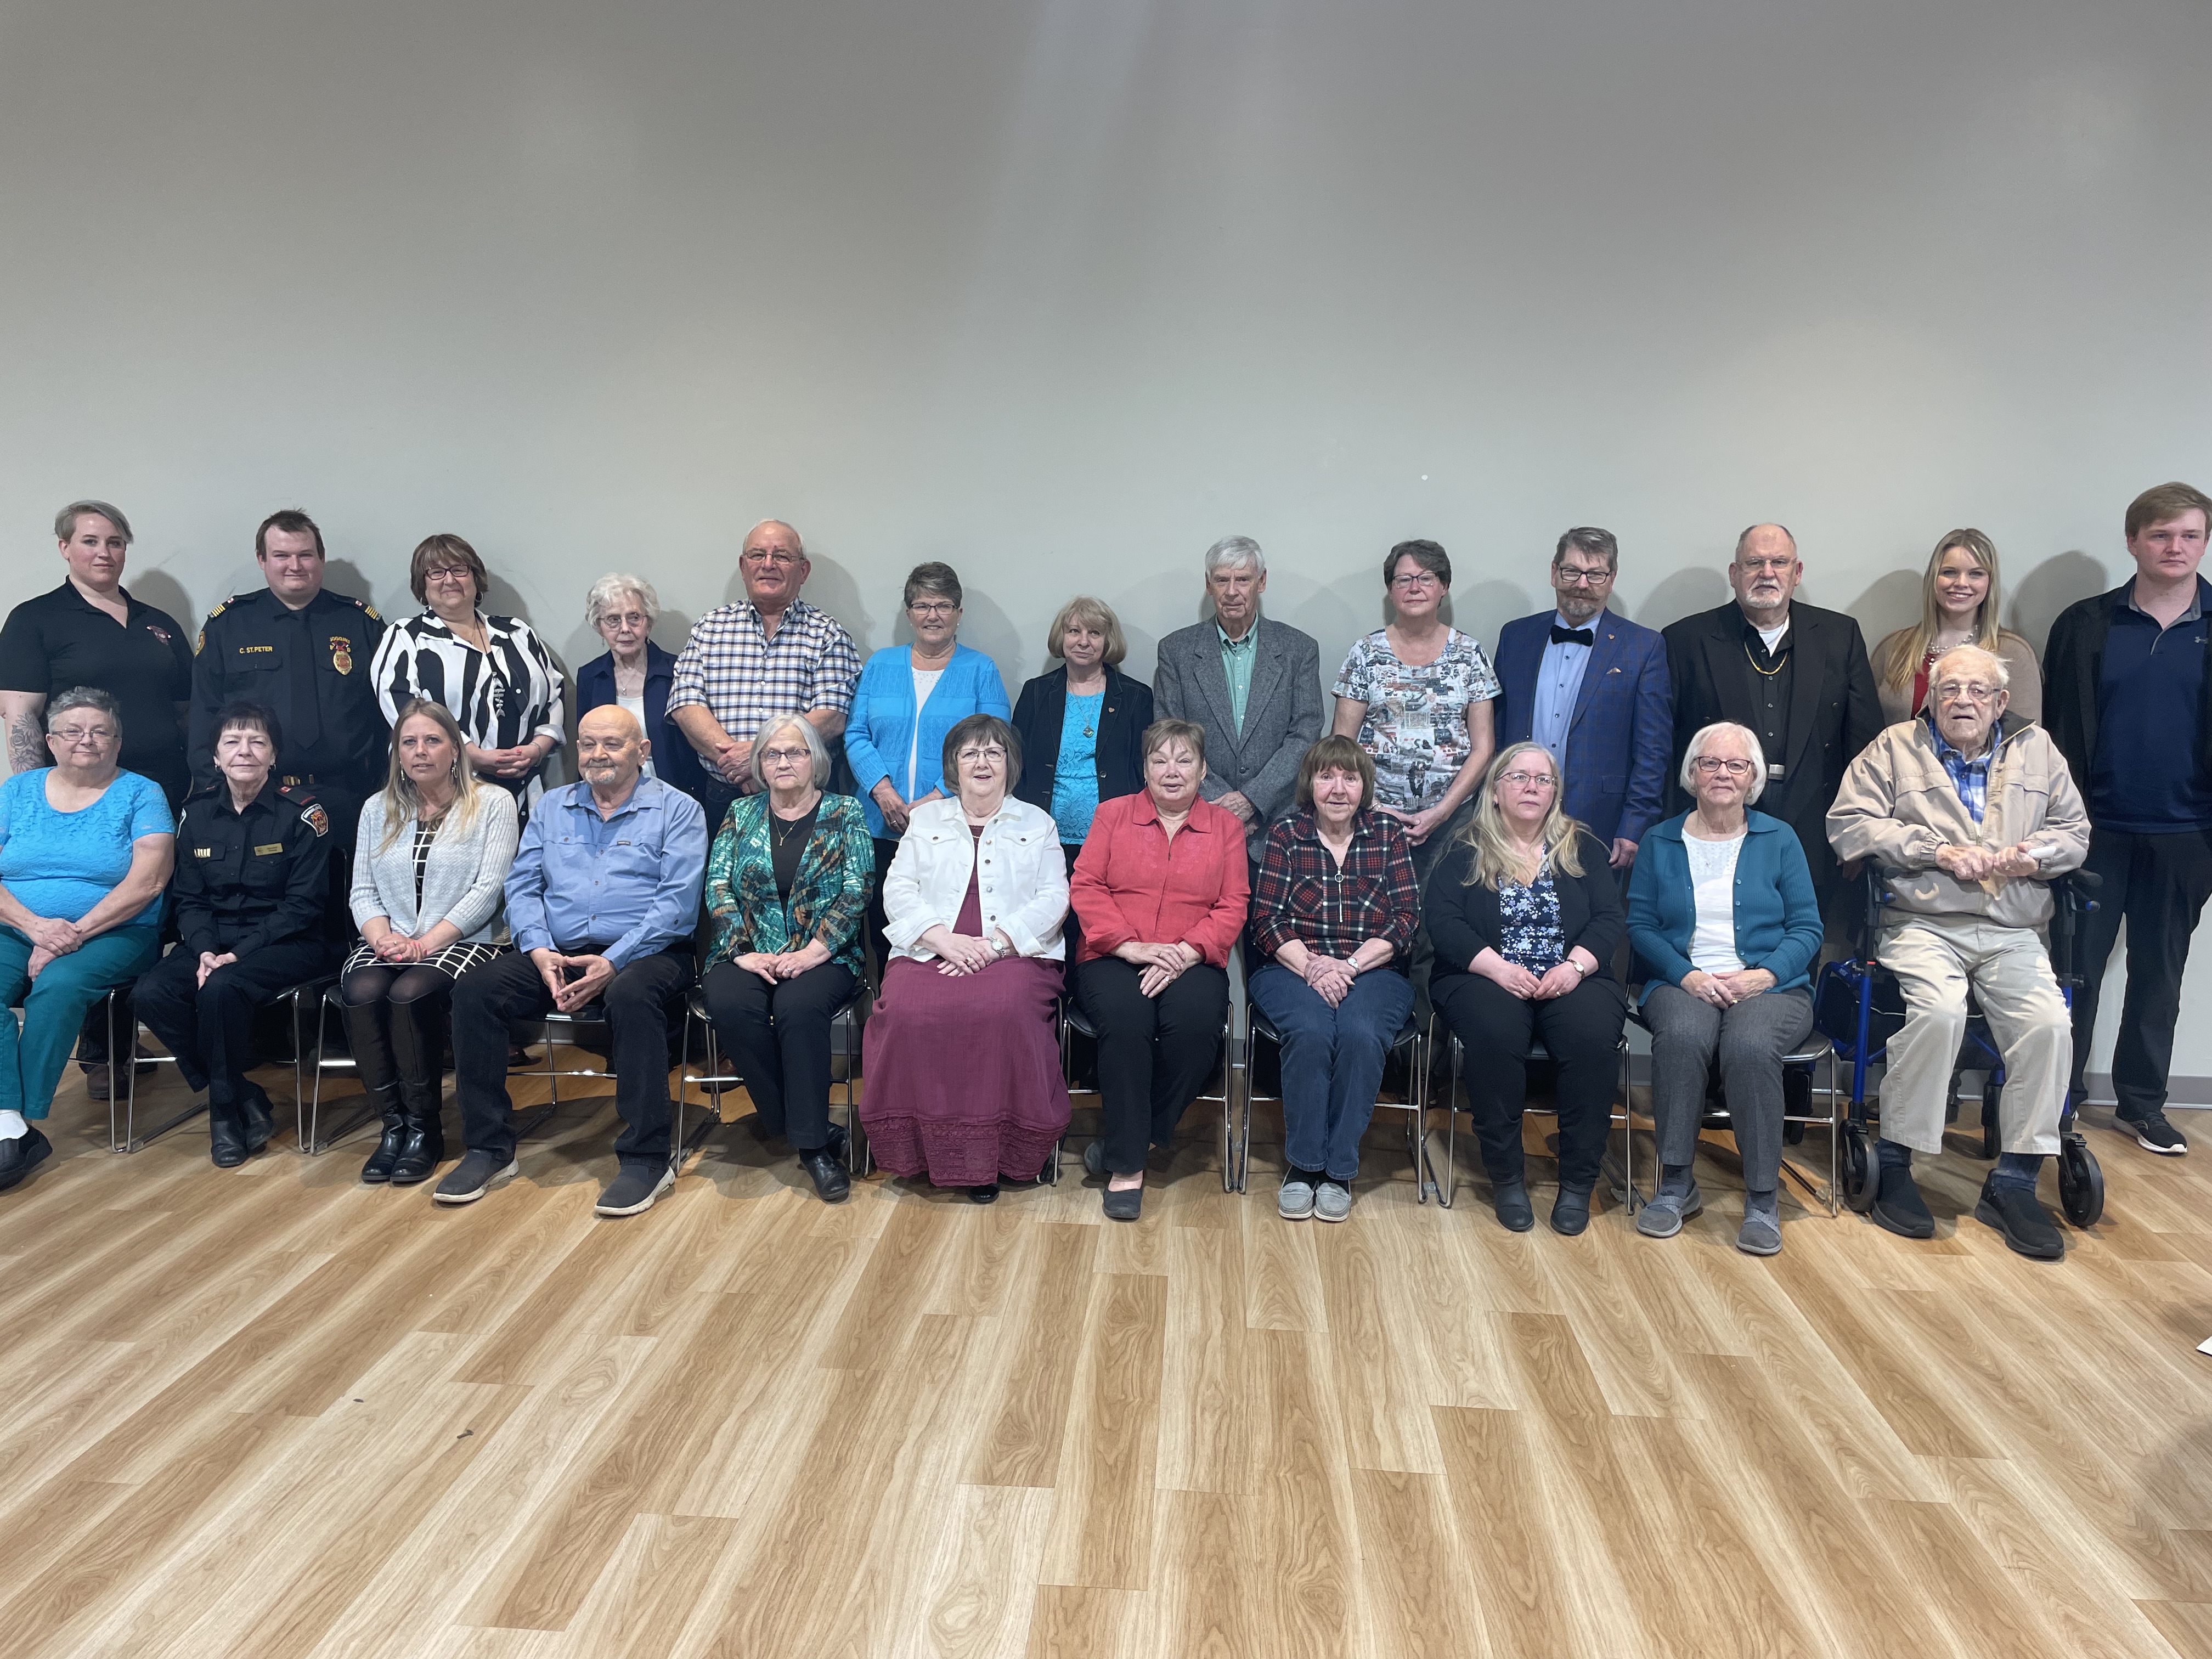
pixel 1586 636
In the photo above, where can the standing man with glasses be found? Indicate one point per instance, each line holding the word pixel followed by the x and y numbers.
pixel 2128 699
pixel 1796 675
pixel 772 653
pixel 1592 688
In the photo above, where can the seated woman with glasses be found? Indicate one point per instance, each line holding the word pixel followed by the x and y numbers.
pixel 787 885
pixel 908 698
pixel 1726 928
pixel 1526 913
pixel 85 850
pixel 962 1060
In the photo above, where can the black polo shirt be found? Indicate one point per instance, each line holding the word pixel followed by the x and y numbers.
pixel 251 879
pixel 61 640
pixel 2148 777
pixel 310 667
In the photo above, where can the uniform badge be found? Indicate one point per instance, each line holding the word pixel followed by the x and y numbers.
pixel 160 634
pixel 317 820
pixel 342 653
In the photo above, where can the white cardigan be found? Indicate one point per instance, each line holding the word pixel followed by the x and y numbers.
pixel 464 879
pixel 1024 884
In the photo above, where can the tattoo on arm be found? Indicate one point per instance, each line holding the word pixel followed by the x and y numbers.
pixel 27 747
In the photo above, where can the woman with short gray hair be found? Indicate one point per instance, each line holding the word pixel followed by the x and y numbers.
pixel 636 673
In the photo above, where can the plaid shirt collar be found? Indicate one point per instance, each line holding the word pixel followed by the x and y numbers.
pixel 1971 778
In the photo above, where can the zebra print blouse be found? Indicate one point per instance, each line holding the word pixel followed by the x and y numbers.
pixel 502 699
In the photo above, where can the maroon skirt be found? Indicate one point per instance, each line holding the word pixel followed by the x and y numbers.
pixel 960 1073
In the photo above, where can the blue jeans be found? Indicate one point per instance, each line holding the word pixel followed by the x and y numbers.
pixel 1332 1061
pixel 53 1007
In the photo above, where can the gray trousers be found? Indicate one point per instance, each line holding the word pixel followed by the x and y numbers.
pixel 1750 1037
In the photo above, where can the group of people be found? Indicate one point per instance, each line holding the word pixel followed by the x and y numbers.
pixel 1474 836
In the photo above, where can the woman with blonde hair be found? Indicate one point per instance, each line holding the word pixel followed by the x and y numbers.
pixel 1526 914
pixel 1961 603
pixel 430 862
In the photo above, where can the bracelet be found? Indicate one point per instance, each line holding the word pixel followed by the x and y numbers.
pixel 1581 972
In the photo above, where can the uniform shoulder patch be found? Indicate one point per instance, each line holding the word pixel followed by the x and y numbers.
pixel 220 609
pixel 360 605
pixel 316 819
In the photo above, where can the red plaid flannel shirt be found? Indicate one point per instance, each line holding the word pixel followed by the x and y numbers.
pixel 1302 895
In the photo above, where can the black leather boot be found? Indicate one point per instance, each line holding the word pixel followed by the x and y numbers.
pixel 226 1138
pixel 257 1117
pixel 424 1148
pixel 378 1169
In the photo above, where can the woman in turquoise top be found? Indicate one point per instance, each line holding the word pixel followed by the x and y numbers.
pixel 85 851
pixel 908 698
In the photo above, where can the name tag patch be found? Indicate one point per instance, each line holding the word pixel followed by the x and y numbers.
pixel 273 847
pixel 203 852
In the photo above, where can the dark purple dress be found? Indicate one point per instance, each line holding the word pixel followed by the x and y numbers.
pixel 960 1074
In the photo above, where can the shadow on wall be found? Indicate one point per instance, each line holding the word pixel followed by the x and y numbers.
pixel 1682 594
pixel 1893 602
pixel 344 576
pixel 164 593
pixel 2037 597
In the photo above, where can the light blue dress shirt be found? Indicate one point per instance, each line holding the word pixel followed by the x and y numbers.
pixel 1558 682
pixel 626 885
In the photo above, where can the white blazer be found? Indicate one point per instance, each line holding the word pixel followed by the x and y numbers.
pixel 1023 886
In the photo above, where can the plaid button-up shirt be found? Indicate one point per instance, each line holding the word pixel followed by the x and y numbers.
pixel 741 676
pixel 1302 895
pixel 1971 778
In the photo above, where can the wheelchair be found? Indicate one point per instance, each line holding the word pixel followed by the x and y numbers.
pixel 1858 1006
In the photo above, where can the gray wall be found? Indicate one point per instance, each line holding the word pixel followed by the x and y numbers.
pixel 1062 292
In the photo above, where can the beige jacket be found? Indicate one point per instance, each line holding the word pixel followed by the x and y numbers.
pixel 1899 806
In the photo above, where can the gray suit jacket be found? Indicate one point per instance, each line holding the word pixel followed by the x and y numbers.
pixel 1282 714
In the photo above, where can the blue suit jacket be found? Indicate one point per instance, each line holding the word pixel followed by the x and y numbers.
pixel 1622 731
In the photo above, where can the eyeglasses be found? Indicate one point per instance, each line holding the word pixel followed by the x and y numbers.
pixel 1530 780
pixel 1566 575
pixel 1413 578
pixel 933 608
pixel 785 756
pixel 1972 690
pixel 77 734
pixel 624 619
pixel 780 559
pixel 1709 764
pixel 993 753
pixel 449 573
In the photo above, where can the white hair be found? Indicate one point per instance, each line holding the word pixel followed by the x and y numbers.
pixel 815 747
pixel 1232 552
pixel 608 588
pixel 1750 740
pixel 1984 659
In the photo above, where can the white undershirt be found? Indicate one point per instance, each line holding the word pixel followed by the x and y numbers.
pixel 1712 886
pixel 1768 637
pixel 925 682
pixel 636 707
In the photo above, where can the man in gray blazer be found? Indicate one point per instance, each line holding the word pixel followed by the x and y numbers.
pixel 1253 686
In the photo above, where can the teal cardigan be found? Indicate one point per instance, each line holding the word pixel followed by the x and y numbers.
pixel 1778 920
pixel 829 897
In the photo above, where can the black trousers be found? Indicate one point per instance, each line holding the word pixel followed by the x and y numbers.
pixel 1580 1030
pixel 493 992
pixel 779 1036
pixel 1154 1053
pixel 210 1028
pixel 395 1021
pixel 2158 885
pixel 716 796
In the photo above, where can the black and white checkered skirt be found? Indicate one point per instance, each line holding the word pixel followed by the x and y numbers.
pixel 453 960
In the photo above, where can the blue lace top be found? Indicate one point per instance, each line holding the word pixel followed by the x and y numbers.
pixel 1529 924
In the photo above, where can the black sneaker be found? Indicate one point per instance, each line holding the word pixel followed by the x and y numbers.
pixel 469 1180
pixel 634 1189
pixel 2027 1226
pixel 2153 1133
pixel 1898 1207
pixel 18 1157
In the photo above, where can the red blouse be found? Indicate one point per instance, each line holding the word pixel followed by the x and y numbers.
pixel 1132 884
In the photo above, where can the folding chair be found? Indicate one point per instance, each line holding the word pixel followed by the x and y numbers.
pixel 1074 1023
pixel 1620 1181
pixel 1411 1041
pixel 844 1068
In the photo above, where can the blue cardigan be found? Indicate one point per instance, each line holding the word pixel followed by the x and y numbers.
pixel 1778 920
pixel 879 729
pixel 675 762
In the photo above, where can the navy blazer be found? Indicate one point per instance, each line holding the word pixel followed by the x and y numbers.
pixel 1622 731
pixel 675 762
pixel 1042 709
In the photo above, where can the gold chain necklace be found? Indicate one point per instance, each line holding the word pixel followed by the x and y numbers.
pixel 1780 663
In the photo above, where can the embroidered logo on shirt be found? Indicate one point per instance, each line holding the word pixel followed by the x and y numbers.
pixel 317 820
pixel 160 634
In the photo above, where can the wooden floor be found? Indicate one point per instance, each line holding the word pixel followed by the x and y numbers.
pixel 275 1412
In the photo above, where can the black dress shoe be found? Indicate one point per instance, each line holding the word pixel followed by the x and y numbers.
pixel 984 1193
pixel 227 1139
pixel 1898 1207
pixel 259 1117
pixel 1510 1201
pixel 18 1157
pixel 1570 1211
pixel 831 1184
pixel 1124 1203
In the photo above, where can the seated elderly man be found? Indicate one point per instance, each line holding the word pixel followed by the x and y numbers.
pixel 1968 817
pixel 602 902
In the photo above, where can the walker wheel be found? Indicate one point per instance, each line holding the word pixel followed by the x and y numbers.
pixel 1992 1102
pixel 1855 1174
pixel 2081 1183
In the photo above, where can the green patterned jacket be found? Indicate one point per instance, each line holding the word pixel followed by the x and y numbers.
pixel 829 897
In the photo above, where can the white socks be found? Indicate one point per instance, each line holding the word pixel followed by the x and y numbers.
pixel 12 1127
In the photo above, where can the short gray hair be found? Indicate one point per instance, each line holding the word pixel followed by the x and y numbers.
pixel 1788 535
pixel 816 748
pixel 797 540
pixel 1988 659
pixel 1233 550
pixel 84 697
pixel 608 588
pixel 1705 735
pixel 65 520
pixel 1592 542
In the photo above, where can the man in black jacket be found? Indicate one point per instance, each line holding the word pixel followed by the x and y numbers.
pixel 2128 699
pixel 1797 674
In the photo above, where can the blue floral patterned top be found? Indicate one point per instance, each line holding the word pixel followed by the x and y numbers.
pixel 1529 921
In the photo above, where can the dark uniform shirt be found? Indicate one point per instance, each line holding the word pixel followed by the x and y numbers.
pixel 2147 778
pixel 1769 674
pixel 252 879
pixel 61 640
pixel 310 666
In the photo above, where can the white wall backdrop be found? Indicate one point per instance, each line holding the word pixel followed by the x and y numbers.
pixel 1062 290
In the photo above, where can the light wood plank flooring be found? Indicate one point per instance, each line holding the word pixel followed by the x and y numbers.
pixel 273 1413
